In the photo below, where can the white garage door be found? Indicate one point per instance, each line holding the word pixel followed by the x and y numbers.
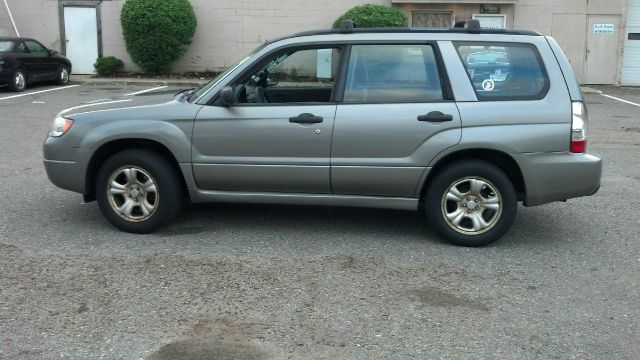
pixel 631 61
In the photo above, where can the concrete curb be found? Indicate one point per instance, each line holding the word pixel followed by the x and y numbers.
pixel 88 80
pixel 589 90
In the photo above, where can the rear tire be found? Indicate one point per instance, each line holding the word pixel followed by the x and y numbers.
pixel 19 82
pixel 471 203
pixel 138 191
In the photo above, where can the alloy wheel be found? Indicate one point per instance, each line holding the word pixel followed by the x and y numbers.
pixel 472 205
pixel 132 193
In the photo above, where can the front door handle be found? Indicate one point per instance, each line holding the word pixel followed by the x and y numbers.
pixel 435 116
pixel 306 118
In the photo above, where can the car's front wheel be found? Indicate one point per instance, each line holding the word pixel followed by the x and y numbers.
pixel 63 77
pixel 19 82
pixel 138 191
pixel 471 203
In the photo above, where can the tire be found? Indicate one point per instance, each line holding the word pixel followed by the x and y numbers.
pixel 63 77
pixel 471 203
pixel 19 82
pixel 143 185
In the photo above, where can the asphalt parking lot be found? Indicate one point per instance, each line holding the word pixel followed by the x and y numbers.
pixel 279 282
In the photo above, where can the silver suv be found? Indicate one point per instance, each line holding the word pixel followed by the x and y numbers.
pixel 460 123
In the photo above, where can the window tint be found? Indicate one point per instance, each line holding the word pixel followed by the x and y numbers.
pixel 22 48
pixel 296 76
pixel 36 48
pixel 392 73
pixel 6 46
pixel 501 71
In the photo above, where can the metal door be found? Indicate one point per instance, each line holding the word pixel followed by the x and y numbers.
pixel 81 35
pixel 603 40
pixel 393 121
pixel 263 148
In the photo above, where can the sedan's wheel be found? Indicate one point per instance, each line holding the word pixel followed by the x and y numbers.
pixel 19 82
pixel 63 76
pixel 138 191
pixel 471 203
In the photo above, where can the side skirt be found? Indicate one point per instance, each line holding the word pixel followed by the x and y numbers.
pixel 212 196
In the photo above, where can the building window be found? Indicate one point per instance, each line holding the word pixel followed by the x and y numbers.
pixel 432 19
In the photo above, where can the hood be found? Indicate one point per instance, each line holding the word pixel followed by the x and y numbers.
pixel 124 102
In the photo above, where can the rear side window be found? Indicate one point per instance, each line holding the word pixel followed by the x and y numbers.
pixel 501 71
pixel 392 73
pixel 6 46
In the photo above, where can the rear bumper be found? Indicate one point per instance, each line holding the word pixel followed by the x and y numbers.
pixel 552 177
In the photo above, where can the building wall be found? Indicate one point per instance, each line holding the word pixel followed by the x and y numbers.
pixel 566 21
pixel 37 19
pixel 229 29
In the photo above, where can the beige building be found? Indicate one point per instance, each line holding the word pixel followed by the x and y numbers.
pixel 601 37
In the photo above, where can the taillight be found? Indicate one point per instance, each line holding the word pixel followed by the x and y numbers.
pixel 578 127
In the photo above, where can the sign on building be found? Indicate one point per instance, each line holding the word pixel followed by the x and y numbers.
pixel 603 28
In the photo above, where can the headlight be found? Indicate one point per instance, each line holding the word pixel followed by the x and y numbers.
pixel 60 126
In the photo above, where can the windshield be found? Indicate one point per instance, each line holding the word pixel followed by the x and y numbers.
pixel 6 46
pixel 204 88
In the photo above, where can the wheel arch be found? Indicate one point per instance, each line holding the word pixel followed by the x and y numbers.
pixel 496 157
pixel 112 147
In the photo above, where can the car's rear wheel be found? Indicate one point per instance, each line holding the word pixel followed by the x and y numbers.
pixel 138 191
pixel 19 82
pixel 63 76
pixel 471 203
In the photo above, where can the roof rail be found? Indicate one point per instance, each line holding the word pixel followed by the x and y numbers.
pixel 347 26
pixel 471 25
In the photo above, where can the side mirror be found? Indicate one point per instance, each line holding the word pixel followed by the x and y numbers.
pixel 226 95
pixel 52 52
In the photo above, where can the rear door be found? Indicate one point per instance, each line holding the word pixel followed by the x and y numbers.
pixel 396 116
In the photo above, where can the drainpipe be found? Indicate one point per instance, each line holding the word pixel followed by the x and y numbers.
pixel 15 28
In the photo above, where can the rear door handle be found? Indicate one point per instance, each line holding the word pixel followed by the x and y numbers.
pixel 435 116
pixel 306 118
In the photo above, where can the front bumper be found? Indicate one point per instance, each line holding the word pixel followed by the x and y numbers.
pixel 552 177
pixel 6 75
pixel 66 167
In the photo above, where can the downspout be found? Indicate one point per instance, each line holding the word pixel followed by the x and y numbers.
pixel 15 28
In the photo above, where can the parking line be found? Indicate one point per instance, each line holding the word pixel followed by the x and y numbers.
pixel 37 92
pixel 621 100
pixel 146 91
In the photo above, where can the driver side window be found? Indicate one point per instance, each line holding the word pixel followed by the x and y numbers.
pixel 295 76
pixel 35 48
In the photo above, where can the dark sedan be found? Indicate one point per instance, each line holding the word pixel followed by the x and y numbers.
pixel 24 61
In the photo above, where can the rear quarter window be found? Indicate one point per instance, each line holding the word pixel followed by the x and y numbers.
pixel 6 46
pixel 504 71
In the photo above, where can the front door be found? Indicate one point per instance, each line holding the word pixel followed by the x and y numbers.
pixel 275 136
pixel 81 36
pixel 395 118
pixel 603 41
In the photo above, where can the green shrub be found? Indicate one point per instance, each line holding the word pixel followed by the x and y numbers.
pixel 157 32
pixel 370 16
pixel 108 65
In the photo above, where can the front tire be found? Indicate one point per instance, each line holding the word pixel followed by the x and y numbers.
pixel 19 82
pixel 63 77
pixel 138 191
pixel 471 203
